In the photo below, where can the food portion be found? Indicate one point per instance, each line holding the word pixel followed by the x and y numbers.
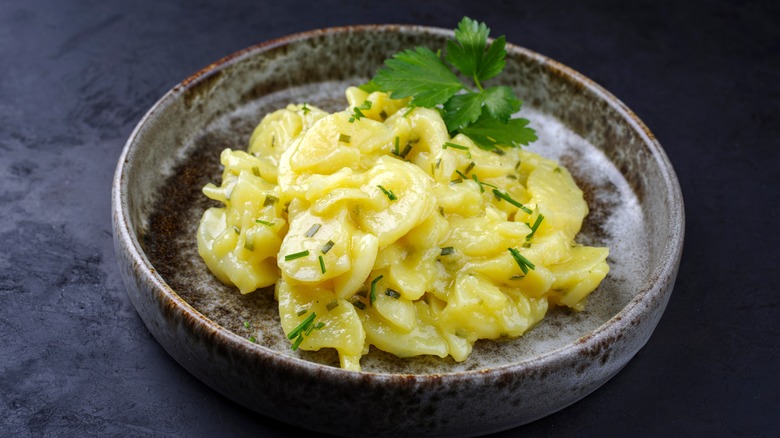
pixel 390 225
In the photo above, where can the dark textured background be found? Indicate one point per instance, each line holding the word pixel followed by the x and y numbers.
pixel 76 76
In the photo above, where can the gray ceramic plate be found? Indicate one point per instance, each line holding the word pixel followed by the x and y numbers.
pixel 632 190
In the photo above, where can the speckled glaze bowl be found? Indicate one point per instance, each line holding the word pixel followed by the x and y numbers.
pixel 636 209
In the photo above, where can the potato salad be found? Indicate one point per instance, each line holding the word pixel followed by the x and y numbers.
pixel 377 229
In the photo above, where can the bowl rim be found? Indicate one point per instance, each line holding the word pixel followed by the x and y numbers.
pixel 666 269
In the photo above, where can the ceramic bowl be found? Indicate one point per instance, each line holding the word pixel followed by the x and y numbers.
pixel 636 209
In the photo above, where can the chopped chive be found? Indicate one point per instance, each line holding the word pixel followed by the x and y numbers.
pixel 441 211
pixel 535 226
pixel 297 342
pixel 273 140
pixel 458 180
pixel 383 115
pixel 438 163
pixel 266 223
pixel 252 339
pixel 296 255
pixel 517 277
pixel 356 115
pixel 447 250
pixel 301 311
pixel 359 304
pixel 502 195
pixel 305 109
pixel 327 247
pixel 527 245
pixel 270 200
pixel 366 105
pixel 332 305
pixel 407 149
pixel 319 325
pixel 313 230
pixel 557 170
pixel 461 174
pixel 457 146
pixel 246 324
pixel 372 296
pixel 322 264
pixel 498 151
pixel 302 326
pixel 256 171
pixel 512 176
pixel 523 262
pixel 517 166
pixel 249 246
pixel 345 138
pixel 469 167
pixel 392 293
pixel 397 150
pixel 454 146
pixel 310 328
pixel 481 183
pixel 387 192
pixel 236 229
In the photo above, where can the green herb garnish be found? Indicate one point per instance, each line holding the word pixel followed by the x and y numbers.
pixel 344 138
pixel 523 262
pixel 313 230
pixel 269 200
pixel 327 247
pixel 505 196
pixel 535 226
pixel 300 328
pixel 447 250
pixel 357 114
pixel 296 255
pixel 392 293
pixel 266 223
pixel 388 193
pixel 322 264
pixel 372 295
pixel 482 114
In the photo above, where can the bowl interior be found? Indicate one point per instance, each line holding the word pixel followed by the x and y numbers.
pixel 626 178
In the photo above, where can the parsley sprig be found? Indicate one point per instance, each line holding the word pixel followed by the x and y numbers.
pixel 484 114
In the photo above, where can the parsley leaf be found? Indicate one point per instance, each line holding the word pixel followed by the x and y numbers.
pixel 419 74
pixel 483 114
pixel 488 132
pixel 462 109
pixel 501 102
pixel 468 52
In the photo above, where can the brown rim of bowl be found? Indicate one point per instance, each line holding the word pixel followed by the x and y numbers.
pixel 666 271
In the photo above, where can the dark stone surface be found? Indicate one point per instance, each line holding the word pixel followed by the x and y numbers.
pixel 76 76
